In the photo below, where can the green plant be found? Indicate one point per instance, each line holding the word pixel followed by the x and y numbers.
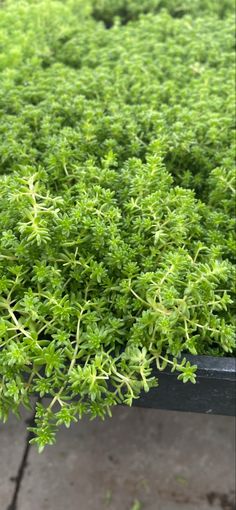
pixel 109 10
pixel 136 505
pixel 116 204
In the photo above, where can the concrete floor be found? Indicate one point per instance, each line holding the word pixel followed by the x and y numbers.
pixel 140 459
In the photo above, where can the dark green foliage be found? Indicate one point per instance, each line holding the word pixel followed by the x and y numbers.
pixel 130 10
pixel 116 200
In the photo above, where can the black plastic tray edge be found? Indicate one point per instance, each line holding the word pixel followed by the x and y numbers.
pixel 213 393
pixel 212 367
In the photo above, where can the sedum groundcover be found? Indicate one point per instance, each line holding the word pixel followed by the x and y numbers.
pixel 116 199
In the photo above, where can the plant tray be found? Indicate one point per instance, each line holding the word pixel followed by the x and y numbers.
pixel 213 393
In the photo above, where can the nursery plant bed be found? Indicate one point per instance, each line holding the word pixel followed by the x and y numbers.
pixel 117 207
pixel 213 393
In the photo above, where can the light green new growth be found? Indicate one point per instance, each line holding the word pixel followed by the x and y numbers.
pixel 117 198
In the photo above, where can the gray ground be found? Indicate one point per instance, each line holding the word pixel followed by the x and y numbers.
pixel 140 459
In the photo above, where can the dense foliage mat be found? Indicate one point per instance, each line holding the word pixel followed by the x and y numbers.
pixel 117 196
